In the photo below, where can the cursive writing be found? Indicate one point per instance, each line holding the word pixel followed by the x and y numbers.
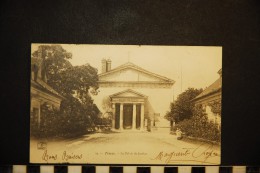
pixel 46 157
pixel 201 153
pixel 71 156
pixel 168 157
pixel 65 156
pixel 204 150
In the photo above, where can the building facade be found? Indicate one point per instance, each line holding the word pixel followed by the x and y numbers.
pixel 211 96
pixel 135 97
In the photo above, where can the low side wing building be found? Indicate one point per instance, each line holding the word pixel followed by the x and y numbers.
pixel 41 93
pixel 211 96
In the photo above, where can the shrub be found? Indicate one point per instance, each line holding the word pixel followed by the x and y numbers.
pixel 199 126
pixel 55 123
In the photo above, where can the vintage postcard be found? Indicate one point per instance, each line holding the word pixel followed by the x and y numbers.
pixel 125 104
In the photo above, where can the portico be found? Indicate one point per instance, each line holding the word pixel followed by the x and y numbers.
pixel 128 110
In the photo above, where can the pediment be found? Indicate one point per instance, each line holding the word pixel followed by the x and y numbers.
pixel 132 73
pixel 128 93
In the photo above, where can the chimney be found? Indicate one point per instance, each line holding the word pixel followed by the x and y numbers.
pixel 108 64
pixel 104 65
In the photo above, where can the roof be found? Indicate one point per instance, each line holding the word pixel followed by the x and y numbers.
pixel 130 65
pixel 45 88
pixel 213 88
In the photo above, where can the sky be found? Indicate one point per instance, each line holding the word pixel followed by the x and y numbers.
pixel 188 66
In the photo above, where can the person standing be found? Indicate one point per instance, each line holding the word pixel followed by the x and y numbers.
pixel 179 134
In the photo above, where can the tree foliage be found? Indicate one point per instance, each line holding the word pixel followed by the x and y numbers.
pixel 181 109
pixel 54 59
pixel 199 126
pixel 62 76
pixel 75 83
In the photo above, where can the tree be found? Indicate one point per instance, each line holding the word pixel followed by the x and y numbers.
pixel 181 109
pixel 54 60
pixel 62 76
pixel 75 83
pixel 169 114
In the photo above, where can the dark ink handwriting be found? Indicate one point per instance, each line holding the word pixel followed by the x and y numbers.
pixel 47 156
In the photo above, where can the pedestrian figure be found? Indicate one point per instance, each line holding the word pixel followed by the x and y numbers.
pixel 179 134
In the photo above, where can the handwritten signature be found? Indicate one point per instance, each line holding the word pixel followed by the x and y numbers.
pixel 65 156
pixel 46 156
pixel 203 152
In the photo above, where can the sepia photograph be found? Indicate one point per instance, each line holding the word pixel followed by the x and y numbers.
pixel 125 104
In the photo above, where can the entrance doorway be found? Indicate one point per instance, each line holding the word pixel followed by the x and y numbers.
pixel 128 116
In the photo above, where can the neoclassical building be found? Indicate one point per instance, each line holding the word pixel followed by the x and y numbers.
pixel 137 98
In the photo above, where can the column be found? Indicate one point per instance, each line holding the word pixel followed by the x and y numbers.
pixel 39 115
pixel 142 116
pixel 134 117
pixel 113 116
pixel 121 116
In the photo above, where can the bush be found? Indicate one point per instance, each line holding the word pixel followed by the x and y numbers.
pixel 199 126
pixel 55 123
pixel 49 124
